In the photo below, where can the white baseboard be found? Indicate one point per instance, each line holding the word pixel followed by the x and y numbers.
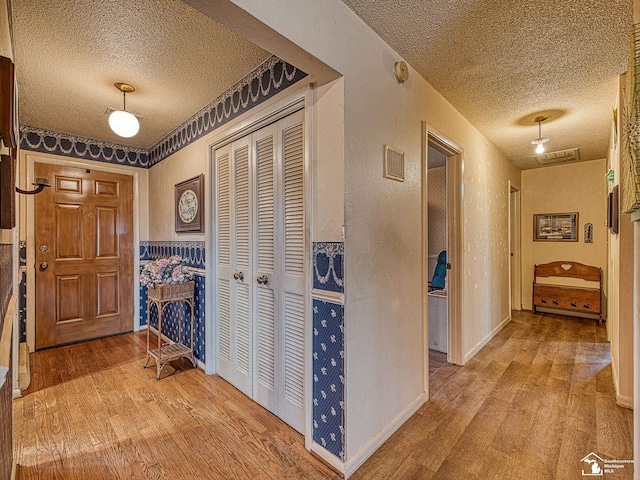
pixel 486 339
pixel 328 457
pixel 614 375
pixel 17 393
pixel 624 401
pixel 382 436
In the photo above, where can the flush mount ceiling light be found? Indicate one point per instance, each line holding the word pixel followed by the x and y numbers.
pixel 122 122
pixel 540 141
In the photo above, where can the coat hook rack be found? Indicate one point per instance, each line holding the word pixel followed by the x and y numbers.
pixel 40 183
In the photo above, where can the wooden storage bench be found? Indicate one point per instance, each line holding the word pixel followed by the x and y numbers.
pixel 564 297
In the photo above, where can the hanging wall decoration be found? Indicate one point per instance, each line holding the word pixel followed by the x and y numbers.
pixel 555 227
pixel 588 233
pixel 190 205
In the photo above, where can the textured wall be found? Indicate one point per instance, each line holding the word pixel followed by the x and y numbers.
pixel 620 286
pixel 384 362
pixel 576 187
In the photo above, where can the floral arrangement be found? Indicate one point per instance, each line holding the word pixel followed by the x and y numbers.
pixel 172 270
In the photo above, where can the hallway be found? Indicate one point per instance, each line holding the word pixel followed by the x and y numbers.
pixel 535 401
pixel 531 404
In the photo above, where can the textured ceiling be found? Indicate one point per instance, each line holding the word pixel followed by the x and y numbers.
pixel 502 62
pixel 69 54
pixel 498 62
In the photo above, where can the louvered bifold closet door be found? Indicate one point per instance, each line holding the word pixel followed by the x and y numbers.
pixel 233 269
pixel 266 281
pixel 292 261
pixel 260 217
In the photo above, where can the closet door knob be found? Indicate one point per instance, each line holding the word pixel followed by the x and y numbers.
pixel 262 280
pixel 239 276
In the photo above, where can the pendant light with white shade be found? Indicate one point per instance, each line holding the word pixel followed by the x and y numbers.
pixel 123 123
pixel 540 141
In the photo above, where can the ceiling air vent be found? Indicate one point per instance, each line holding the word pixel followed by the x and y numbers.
pixel 393 164
pixel 561 156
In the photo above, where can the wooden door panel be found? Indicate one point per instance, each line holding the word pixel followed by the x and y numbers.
pixel 106 231
pixel 68 185
pixel 107 287
pixel 106 189
pixel 84 233
pixel 69 304
pixel 69 221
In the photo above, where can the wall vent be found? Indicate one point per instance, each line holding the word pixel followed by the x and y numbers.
pixel 561 156
pixel 393 164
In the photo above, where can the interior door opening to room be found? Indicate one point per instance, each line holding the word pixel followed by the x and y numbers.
pixel 443 240
pixel 515 270
pixel 260 263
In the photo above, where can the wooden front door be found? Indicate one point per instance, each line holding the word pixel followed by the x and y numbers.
pixel 84 255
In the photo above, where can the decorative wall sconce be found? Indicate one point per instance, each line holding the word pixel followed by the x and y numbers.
pixel 39 182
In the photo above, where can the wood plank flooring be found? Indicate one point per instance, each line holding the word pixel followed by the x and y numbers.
pixel 93 412
pixel 531 404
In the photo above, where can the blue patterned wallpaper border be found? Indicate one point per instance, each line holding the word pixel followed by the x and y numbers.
pixel 58 143
pixel 267 80
pixel 270 78
pixel 328 266
pixel 328 376
pixel 194 252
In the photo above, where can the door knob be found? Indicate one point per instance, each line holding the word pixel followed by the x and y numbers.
pixel 44 266
pixel 262 280
pixel 239 276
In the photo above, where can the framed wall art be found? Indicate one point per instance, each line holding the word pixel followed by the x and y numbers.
pixel 555 227
pixel 189 211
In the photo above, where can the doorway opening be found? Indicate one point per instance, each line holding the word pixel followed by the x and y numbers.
pixel 515 282
pixel 442 252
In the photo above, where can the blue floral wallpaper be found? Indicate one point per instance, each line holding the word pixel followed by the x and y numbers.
pixel 328 347
pixel 328 262
pixel 194 252
pixel 328 376
pixel 22 293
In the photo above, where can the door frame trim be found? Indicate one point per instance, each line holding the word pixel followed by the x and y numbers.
pixel 27 212
pixel 455 243
pixel 515 239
